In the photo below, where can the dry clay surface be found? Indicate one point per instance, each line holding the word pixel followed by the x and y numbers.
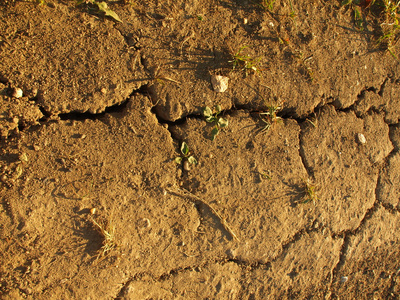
pixel 105 108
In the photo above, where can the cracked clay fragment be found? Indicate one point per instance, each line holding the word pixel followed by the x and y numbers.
pixel 219 83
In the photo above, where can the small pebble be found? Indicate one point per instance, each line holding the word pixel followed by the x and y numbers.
pixel 343 279
pixel 4 178
pixel 361 138
pixel 219 83
pixel 186 166
pixel 144 223
pixel 103 91
pixel 17 93
pixel 93 211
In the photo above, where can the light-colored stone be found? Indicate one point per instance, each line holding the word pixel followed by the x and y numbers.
pixel 219 83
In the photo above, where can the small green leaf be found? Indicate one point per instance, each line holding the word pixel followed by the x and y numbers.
pixel 214 133
pixel 178 160
pixel 184 149
pixel 346 2
pixel 207 112
pixel 103 7
pixel 222 122
pixel 192 160
pixel 266 175
pixel 218 109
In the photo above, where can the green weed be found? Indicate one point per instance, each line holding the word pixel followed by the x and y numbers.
pixel 186 157
pixel 292 11
pixel 270 116
pixel 212 117
pixel 268 4
pixel 387 14
pixel 107 231
pixel 266 175
pixel 390 24
pixel 244 62
pixel 309 192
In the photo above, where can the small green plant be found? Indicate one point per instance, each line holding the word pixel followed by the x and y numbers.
pixel 244 61
pixel 186 157
pixel 107 231
pixel 309 192
pixel 387 12
pixel 390 24
pixel 213 117
pixel 268 4
pixel 292 14
pixel 270 116
pixel 304 67
pixel 266 174
pixel 101 8
pixel 358 18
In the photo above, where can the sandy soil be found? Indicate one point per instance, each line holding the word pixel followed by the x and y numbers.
pixel 301 206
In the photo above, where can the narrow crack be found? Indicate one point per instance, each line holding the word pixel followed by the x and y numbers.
pixel 396 145
pixel 346 235
pixel 245 265
pixel 390 208
pixel 48 116
pixel 340 263
pixel 80 116
pixel 382 87
pixel 302 152
pixel 147 276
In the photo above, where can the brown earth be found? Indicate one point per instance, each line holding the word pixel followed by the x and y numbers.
pixel 106 106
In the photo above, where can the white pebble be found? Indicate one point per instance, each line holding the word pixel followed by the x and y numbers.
pixel 361 138
pixel 186 166
pixel 144 223
pixel 17 93
pixel 219 83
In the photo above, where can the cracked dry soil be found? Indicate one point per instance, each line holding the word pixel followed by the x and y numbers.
pixel 106 107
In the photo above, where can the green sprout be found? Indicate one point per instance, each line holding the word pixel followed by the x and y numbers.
pixel 390 25
pixel 309 192
pixel 186 157
pixel 268 4
pixel 218 121
pixel 107 231
pixel 244 61
pixel 389 15
pixel 266 175
pixel 270 117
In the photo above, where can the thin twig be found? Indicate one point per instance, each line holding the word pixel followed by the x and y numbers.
pixel 185 193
